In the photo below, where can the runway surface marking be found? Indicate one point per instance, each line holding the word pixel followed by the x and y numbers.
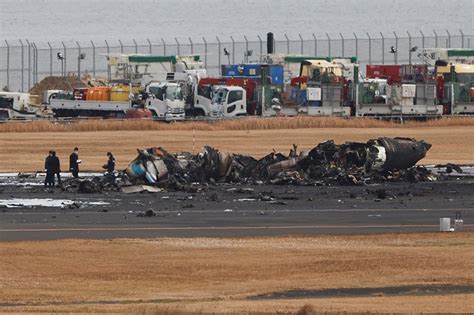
pixel 170 228
pixel 242 211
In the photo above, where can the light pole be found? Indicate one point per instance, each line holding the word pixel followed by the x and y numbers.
pixel 81 56
pixel 61 58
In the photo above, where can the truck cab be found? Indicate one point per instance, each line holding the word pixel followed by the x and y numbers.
pixel 165 100
pixel 203 99
pixel 15 105
pixel 228 101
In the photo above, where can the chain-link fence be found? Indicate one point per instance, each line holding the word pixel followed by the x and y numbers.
pixel 24 63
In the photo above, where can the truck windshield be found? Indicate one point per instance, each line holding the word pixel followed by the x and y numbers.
pixel 171 93
pixel 157 91
pixel 6 102
pixel 174 93
pixel 206 91
pixel 219 96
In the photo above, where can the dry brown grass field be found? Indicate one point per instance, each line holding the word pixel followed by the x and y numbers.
pixel 248 123
pixel 23 147
pixel 210 275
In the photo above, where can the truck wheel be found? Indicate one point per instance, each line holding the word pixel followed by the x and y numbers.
pixel 198 112
pixel 4 115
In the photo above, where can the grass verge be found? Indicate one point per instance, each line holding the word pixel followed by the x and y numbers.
pixel 249 123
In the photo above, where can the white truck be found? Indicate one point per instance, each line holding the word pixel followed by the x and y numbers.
pixel 227 101
pixel 15 105
pixel 81 108
pixel 165 100
pixel 218 97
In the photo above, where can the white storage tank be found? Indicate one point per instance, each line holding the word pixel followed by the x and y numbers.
pixel 409 90
pixel 444 224
pixel 313 94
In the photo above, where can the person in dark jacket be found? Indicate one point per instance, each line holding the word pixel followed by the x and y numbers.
pixel 110 166
pixel 49 179
pixel 74 163
pixel 56 167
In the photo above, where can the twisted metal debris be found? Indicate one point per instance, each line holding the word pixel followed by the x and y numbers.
pixel 327 163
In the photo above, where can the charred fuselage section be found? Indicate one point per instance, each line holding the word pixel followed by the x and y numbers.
pixel 378 159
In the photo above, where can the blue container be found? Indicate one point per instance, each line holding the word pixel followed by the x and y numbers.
pixel 276 73
pixel 313 103
pixel 252 70
pixel 298 96
pixel 231 71
pixel 294 94
pixel 302 97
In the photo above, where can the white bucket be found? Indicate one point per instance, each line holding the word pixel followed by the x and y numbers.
pixel 444 224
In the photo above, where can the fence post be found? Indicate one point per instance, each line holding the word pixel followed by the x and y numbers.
pixel 329 44
pixel 383 47
pixel 357 45
pixel 342 44
pixel 233 50
pixel 50 60
pixel 29 63
pixel 33 71
pixel 370 48
pixel 287 44
pixel 246 56
pixel 205 52
pixel 8 64
pixel 63 61
pixel 121 46
pixel 422 39
pixel 219 54
pixel 301 43
pixel 93 58
pixel 164 46
pixel 192 46
pixel 35 63
pixel 315 45
pixel 261 47
pixel 449 39
pixel 395 55
pixel 436 39
pixel 462 38
pixel 136 45
pixel 108 66
pixel 409 48
pixel 178 46
pixel 149 45
pixel 22 66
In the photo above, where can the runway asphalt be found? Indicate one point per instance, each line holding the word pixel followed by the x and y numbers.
pixel 246 211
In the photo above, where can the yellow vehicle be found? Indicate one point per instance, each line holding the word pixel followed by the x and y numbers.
pixel 458 87
pixel 455 72
pixel 320 70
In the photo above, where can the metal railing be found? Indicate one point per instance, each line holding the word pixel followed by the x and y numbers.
pixel 24 63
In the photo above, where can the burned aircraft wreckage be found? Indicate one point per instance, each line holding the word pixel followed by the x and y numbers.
pixel 328 163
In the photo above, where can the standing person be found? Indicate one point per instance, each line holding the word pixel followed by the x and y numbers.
pixel 49 179
pixel 110 163
pixel 56 167
pixel 74 162
pixel 110 166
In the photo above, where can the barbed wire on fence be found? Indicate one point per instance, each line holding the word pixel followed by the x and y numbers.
pixel 23 63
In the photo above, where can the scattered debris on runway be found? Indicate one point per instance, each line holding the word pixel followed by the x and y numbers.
pixel 47 202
